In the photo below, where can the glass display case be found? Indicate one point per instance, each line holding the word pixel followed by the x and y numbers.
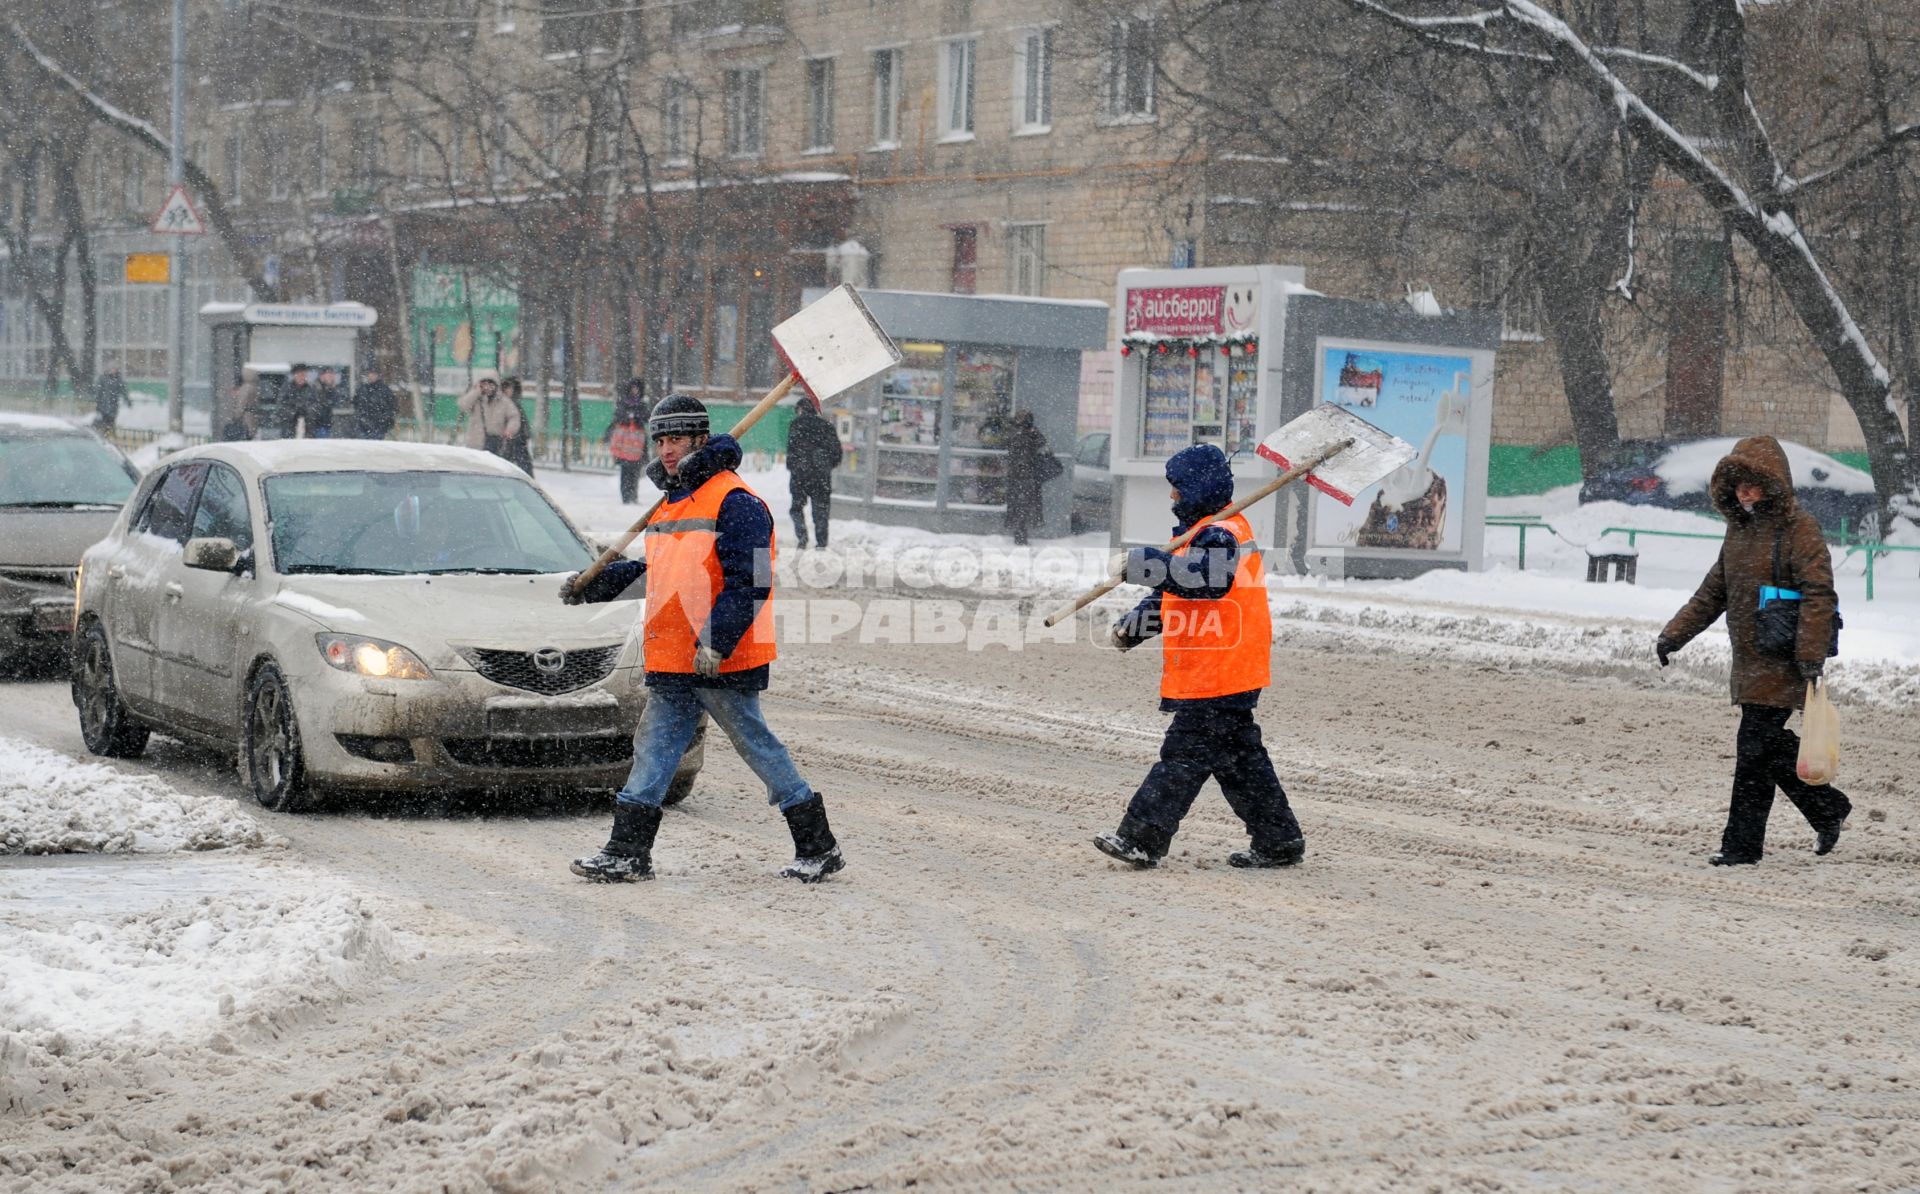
pixel 977 430
pixel 907 438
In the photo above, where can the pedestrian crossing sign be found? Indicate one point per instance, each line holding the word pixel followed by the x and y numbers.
pixel 177 215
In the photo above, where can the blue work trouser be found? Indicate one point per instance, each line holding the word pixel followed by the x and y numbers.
pixel 667 727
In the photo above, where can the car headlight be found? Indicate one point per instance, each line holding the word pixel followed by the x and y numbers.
pixel 372 657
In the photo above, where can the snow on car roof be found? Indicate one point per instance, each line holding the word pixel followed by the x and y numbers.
pixel 22 421
pixel 1688 467
pixel 350 455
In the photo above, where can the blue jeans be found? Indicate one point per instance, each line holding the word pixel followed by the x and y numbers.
pixel 667 727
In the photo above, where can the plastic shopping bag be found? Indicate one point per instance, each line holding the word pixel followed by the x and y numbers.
pixel 1819 738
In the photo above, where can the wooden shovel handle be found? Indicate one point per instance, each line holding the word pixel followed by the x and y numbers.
pixel 1179 541
pixel 739 429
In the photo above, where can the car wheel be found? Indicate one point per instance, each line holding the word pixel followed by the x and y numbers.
pixel 106 724
pixel 270 744
pixel 1867 530
pixel 690 763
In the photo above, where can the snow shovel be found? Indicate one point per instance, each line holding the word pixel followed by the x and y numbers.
pixel 832 344
pixel 1338 453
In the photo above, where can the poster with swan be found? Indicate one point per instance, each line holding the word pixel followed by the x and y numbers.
pixel 1424 398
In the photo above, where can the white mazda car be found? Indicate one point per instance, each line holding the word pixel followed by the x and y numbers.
pixel 356 614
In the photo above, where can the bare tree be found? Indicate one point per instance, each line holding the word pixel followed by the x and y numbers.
pixel 1698 111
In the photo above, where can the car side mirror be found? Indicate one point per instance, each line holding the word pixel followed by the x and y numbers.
pixel 1820 474
pixel 213 555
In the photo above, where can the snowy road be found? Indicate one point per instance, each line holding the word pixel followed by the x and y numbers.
pixel 1505 961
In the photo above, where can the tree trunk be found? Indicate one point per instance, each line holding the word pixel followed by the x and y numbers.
pixel 403 317
pixel 1572 315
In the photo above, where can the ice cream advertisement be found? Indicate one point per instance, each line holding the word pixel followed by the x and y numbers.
pixel 1424 399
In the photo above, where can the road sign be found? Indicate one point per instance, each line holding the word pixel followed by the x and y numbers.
pixel 148 267
pixel 177 215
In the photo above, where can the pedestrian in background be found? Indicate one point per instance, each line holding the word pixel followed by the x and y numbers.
pixel 626 438
pixel 491 418
pixel 298 406
pixel 373 405
pixel 1770 543
pixel 243 407
pixel 327 399
pixel 813 452
pixel 109 394
pixel 1030 465
pixel 518 450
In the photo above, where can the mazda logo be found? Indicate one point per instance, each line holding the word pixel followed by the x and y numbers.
pixel 550 660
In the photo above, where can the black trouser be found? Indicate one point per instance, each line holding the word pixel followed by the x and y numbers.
pixel 1223 744
pixel 630 471
pixel 819 491
pixel 1765 755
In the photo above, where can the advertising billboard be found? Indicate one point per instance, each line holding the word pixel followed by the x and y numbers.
pixel 1424 398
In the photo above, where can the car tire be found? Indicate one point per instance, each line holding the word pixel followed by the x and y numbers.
pixel 106 724
pixel 683 780
pixel 270 756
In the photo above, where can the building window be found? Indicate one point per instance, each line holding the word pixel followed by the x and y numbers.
pixel 1131 58
pixel 322 172
pixel 675 105
pixel 820 103
pixel 1026 259
pixel 886 98
pixel 1033 82
pixel 103 182
pixel 274 142
pixel 366 152
pixel 234 183
pixel 966 257
pixel 956 89
pixel 746 94
pixel 498 130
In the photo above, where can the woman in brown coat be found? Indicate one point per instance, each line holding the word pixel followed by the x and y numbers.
pixel 1753 488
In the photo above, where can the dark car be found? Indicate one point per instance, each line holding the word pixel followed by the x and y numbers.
pixel 1092 484
pixel 61 487
pixel 1674 476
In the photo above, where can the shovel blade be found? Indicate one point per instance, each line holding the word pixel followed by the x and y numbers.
pixel 834 343
pixel 1374 453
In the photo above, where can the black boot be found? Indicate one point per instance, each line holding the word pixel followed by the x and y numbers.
pixel 628 855
pixel 1827 836
pixel 1136 843
pixel 815 854
pixel 1267 853
pixel 1728 858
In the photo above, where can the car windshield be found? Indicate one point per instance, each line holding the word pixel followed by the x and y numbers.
pixel 416 522
pixel 61 471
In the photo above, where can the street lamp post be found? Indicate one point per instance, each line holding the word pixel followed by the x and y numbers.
pixel 176 284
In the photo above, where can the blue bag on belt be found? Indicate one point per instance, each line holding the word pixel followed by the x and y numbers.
pixel 1776 625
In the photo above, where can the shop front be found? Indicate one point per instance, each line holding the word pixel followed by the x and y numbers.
pixel 925 444
pixel 1197 366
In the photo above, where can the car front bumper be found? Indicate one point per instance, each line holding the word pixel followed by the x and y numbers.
pixel 460 730
pixel 34 614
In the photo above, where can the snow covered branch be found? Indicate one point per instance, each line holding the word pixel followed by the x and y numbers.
pixel 1893 142
pixel 146 134
pixel 1705 82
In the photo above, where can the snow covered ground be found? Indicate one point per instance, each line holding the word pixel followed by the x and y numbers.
pixel 52 804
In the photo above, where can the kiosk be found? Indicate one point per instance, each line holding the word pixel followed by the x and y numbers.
pixel 1224 356
pixel 925 443
pixel 270 338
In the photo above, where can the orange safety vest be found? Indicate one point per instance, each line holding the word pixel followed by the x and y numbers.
pixel 683 581
pixel 1218 648
pixel 628 441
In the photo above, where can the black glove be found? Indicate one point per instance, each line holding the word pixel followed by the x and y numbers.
pixel 1663 648
pixel 1810 669
pixel 1120 640
pixel 569 594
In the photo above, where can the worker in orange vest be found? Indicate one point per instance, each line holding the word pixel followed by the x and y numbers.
pixel 709 644
pixel 1209 602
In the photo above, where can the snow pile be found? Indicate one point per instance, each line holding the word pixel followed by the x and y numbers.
pixel 51 804
pixel 103 1000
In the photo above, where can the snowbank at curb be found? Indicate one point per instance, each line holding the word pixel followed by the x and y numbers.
pixel 52 804
pixel 105 999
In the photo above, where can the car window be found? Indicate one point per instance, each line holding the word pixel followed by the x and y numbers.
pixel 222 513
pixel 1106 446
pixel 412 522
pixel 61 470
pixel 168 509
